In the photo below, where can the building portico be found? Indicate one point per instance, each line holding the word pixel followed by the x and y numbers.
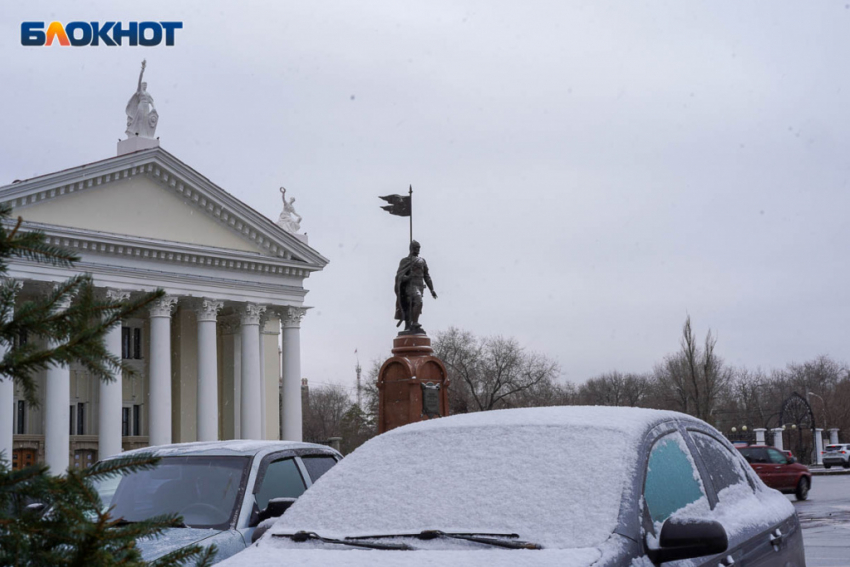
pixel 207 354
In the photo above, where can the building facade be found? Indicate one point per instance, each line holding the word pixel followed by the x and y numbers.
pixel 217 358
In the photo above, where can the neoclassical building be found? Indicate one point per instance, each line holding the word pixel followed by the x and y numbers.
pixel 217 358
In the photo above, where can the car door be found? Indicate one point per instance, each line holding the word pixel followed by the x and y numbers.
pixel 672 483
pixel 782 477
pixel 757 545
pixel 280 475
pixel 760 461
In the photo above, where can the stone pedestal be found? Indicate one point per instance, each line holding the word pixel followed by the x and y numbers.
pixel 412 384
pixel 818 447
pixel 833 436
pixel 777 438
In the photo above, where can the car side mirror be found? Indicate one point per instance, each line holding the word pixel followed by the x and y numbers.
pixel 792 460
pixel 684 538
pixel 275 508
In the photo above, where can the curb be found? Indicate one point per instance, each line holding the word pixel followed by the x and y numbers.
pixel 820 471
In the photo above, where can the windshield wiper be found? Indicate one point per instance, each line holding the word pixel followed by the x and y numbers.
pixel 487 539
pixel 304 536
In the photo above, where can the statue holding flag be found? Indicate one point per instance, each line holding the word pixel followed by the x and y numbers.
pixel 413 383
pixel 410 281
pixel 412 275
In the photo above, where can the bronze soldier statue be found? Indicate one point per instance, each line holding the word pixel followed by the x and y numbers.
pixel 410 281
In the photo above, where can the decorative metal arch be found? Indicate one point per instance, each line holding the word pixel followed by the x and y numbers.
pixel 796 410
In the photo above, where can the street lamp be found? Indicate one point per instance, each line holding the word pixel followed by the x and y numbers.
pixel 822 401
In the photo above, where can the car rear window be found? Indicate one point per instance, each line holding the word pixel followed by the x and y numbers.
pixel 834 447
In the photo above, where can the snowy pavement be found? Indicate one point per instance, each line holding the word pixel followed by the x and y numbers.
pixel 825 518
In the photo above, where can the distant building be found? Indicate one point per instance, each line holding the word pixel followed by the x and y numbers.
pixel 206 354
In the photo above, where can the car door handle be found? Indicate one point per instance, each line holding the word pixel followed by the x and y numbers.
pixel 776 539
pixel 728 562
pixel 778 468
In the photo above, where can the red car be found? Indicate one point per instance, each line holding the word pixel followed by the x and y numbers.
pixel 777 470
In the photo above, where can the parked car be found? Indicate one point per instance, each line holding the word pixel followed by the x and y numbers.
pixel 223 490
pixel 526 487
pixel 778 470
pixel 836 455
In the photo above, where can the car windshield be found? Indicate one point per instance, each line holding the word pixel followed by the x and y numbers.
pixel 557 486
pixel 203 490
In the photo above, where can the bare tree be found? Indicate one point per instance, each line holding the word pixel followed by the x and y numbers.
pixel 691 380
pixel 323 413
pixel 493 372
pixel 615 389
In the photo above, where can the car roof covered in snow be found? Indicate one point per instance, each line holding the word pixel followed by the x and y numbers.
pixel 236 447
pixel 624 419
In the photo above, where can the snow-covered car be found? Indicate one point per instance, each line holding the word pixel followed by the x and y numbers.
pixel 526 487
pixel 222 489
pixel 836 455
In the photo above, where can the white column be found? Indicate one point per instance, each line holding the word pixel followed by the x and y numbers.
pixel 777 437
pixel 111 393
pixel 263 321
pixel 251 426
pixel 7 398
pixel 237 384
pixel 207 312
pixel 57 411
pixel 819 446
pixel 833 436
pixel 159 396
pixel 290 409
pixel 759 435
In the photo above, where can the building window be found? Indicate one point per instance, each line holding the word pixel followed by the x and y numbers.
pixel 131 343
pixel 125 422
pixel 81 419
pixel 131 420
pixel 21 423
pixel 23 337
pixel 137 343
pixel 125 342
pixel 71 421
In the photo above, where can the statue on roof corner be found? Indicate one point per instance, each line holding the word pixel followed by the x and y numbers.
pixel 286 220
pixel 141 114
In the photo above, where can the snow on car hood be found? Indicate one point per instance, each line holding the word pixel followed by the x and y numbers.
pixel 556 479
pixel 172 539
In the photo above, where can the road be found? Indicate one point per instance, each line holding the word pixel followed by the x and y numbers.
pixel 825 518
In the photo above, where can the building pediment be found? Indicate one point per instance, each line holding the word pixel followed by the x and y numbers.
pixel 150 199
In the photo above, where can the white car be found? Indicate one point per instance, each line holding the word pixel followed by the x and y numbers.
pixel 526 487
pixel 836 455
pixel 222 489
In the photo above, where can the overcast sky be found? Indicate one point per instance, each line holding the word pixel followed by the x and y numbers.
pixel 585 174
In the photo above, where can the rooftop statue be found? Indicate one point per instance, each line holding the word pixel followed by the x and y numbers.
pixel 410 281
pixel 141 114
pixel 287 221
